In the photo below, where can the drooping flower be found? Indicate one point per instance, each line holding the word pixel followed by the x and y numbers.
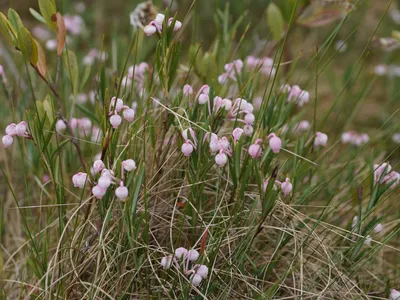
pixel 321 139
pixel 275 143
pixel 286 187
pixel 221 158
pixel 79 180
pixel 166 262
pixel 255 149
pixel 122 192
pixel 129 165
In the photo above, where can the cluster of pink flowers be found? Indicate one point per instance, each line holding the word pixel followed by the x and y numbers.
pixel 296 94
pixel 298 128
pixel 116 106
pixel 394 295
pixel 354 138
pixel 20 129
pixel 186 259
pixel 190 143
pixel 231 69
pixel 275 144
pixel 383 174
pixel 83 127
pixel 94 54
pixel 74 24
pixel 264 64
pixel 285 186
pixel 391 70
pixel 157 25
pixel 106 179
pixel 321 139
pixel 137 74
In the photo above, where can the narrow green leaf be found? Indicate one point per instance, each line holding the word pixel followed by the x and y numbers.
pixel 49 11
pixel 15 19
pixel 27 45
pixel 71 66
pixel 37 15
pixel 6 30
pixel 275 21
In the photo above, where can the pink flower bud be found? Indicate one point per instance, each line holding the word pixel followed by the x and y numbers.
pixel 378 228
pixel 60 126
pixel 21 128
pixel 129 114
pixel 187 90
pixel 255 150
pixel 203 99
pixel 7 141
pixel 394 295
pixel 221 158
pixel 248 108
pixel 181 253
pixel 249 119
pixel 187 148
pixel 177 25
pixel 79 180
pixel 285 88
pixel 275 143
pixel 368 241
pixel 227 104
pixel 10 129
pixel 196 279
pixel 381 171
pixel 160 19
pixel 248 130
pixel 166 262
pixel 223 144
pixel 73 123
pixel 304 98
pixel 115 121
pixel 149 30
pixel 98 166
pixel 202 270
pixel 286 187
pixel 116 104
pixel 122 192
pixel 321 139
pixel 129 165
pixel 98 192
pixel 380 70
pixel 193 255
pixel 295 92
pixel 237 133
pixel 303 126
pixel 104 181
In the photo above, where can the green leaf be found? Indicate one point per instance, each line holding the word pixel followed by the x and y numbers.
pixel 48 107
pixel 27 45
pixel 85 76
pixel 37 15
pixel 49 11
pixel 71 66
pixel 320 13
pixel 275 21
pixel 6 30
pixel 15 19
